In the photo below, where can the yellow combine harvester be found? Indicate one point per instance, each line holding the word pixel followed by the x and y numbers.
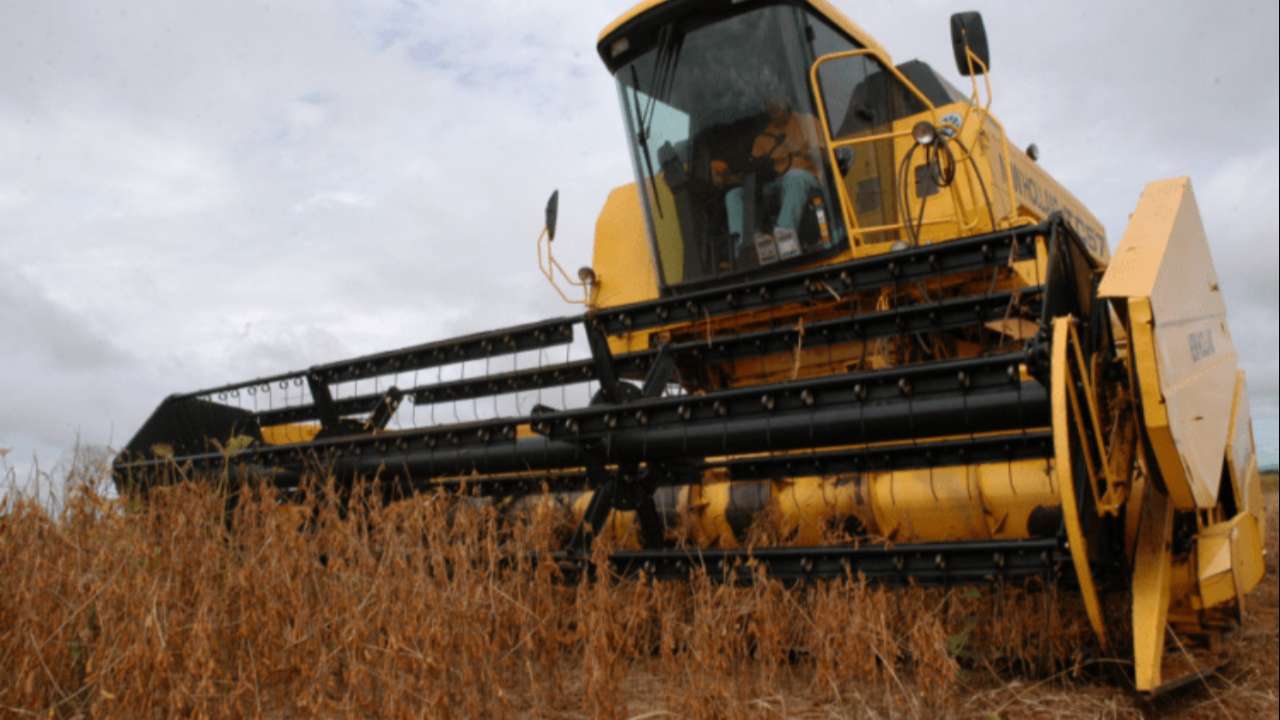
pixel 835 297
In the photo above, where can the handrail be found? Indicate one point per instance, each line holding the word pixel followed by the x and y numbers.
pixel 966 215
pixel 976 62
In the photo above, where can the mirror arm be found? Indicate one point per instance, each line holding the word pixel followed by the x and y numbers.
pixel 550 267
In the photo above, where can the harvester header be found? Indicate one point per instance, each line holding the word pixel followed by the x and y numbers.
pixel 838 300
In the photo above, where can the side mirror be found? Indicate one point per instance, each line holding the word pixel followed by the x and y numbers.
pixel 968 31
pixel 553 206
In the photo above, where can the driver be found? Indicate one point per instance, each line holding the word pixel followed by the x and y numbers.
pixel 787 148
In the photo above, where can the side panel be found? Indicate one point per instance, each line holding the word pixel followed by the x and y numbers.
pixel 622 260
pixel 1152 573
pixel 1185 350
pixel 1229 560
pixel 1039 195
pixel 1242 458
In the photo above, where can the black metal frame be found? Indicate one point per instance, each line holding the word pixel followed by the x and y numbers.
pixel 631 441
pixel 876 406
pixel 923 564
pixel 806 287
pixel 942 315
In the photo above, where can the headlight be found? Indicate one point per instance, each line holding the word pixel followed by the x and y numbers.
pixel 924 133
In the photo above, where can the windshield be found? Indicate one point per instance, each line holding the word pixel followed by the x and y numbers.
pixel 727 147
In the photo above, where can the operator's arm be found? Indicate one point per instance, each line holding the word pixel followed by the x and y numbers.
pixel 764 145
pixel 720 175
pixel 811 144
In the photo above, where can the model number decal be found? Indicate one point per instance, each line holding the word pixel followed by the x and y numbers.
pixel 1046 200
pixel 1201 343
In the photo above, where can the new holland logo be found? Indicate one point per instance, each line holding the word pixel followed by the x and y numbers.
pixel 950 122
pixel 1201 343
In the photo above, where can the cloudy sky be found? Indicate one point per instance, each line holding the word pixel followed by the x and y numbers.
pixel 199 192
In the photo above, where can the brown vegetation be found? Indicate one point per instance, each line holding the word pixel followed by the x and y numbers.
pixel 424 608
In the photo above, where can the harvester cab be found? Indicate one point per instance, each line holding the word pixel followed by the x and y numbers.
pixel 768 136
pixel 836 326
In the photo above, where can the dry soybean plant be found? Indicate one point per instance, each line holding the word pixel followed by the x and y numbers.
pixel 187 605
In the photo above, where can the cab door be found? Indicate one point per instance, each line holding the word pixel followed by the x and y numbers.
pixel 866 112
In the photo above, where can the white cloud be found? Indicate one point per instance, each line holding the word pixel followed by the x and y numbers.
pixel 334 199
pixel 347 177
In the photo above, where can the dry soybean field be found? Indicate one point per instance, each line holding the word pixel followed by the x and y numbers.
pixel 431 607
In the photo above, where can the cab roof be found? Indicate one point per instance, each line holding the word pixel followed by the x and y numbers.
pixel 823 8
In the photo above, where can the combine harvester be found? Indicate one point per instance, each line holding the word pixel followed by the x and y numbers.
pixel 838 295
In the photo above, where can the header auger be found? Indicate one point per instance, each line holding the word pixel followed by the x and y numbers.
pixel 837 297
